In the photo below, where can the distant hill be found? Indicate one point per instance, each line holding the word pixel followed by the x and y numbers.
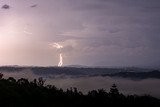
pixel 77 66
pixel 130 72
pixel 136 75
pixel 72 70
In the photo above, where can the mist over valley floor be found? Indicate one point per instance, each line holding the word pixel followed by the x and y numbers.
pixel 86 79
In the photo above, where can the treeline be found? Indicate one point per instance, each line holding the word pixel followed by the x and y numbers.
pixel 24 93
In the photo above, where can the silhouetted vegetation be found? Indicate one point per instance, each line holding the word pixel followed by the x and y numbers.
pixel 24 93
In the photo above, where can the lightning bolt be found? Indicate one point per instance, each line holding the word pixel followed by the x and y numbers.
pixel 60 60
pixel 58 46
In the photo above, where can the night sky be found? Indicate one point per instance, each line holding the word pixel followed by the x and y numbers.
pixel 92 32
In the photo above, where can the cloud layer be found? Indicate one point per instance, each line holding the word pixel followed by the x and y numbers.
pixel 93 32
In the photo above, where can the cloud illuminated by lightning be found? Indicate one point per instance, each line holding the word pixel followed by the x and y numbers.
pixel 58 46
pixel 26 32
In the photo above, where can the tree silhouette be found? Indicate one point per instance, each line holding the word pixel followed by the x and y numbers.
pixel 1 75
pixel 11 79
pixel 41 81
pixel 114 90
pixel 23 81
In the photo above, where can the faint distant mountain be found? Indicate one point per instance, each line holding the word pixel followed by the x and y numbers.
pixel 136 75
pixel 77 66
pixel 76 70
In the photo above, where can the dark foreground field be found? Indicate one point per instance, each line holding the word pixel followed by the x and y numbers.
pixel 24 93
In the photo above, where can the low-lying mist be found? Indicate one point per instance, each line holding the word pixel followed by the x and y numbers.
pixel 87 83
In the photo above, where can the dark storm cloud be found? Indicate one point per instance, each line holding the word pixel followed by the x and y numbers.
pixel 35 5
pixel 5 6
pixel 122 24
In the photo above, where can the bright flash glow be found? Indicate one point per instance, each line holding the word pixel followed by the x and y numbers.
pixel 58 46
pixel 60 60
pixel 26 32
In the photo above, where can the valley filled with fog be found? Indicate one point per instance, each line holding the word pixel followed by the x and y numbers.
pixel 87 82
